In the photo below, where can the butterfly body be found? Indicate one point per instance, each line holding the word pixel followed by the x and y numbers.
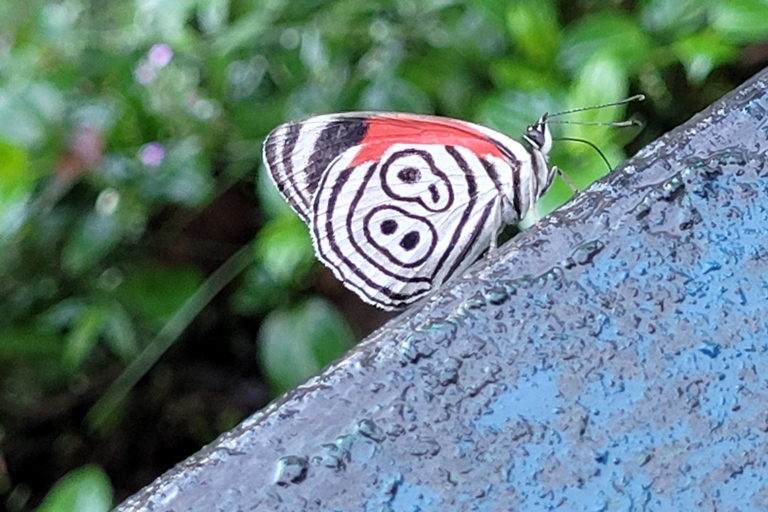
pixel 398 203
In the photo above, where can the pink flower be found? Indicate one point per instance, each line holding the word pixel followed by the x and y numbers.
pixel 152 154
pixel 160 55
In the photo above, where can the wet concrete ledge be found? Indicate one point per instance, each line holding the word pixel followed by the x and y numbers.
pixel 612 358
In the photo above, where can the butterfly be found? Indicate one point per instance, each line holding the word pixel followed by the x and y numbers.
pixel 397 204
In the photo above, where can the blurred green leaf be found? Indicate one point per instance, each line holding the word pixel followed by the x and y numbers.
pixel 28 342
pixel 515 74
pixel 674 17
pixel 16 182
pixel 740 21
pixel 511 112
pixel 165 20
pixel 603 79
pixel 396 95
pixel 119 333
pixel 535 31
pixel 296 343
pixel 258 292
pixel 494 10
pixel 702 53
pixel 247 29
pixel 617 35
pixel 272 203
pixel 81 340
pixel 61 315
pixel 86 489
pixel 156 293
pixel 97 234
pixel 32 107
pixel 181 175
pixel 14 170
pixel 213 15
pixel 284 249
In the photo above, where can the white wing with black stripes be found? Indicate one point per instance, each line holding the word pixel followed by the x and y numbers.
pixel 397 204
pixel 298 153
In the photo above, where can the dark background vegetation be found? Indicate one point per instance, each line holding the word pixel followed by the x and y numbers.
pixel 154 289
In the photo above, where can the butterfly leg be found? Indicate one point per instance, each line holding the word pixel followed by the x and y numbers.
pixel 497 226
pixel 566 179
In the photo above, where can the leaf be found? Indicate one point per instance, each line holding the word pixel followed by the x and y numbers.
pixel 674 17
pixel 296 343
pixel 617 35
pixel 31 107
pixel 164 21
pixel 511 112
pixel 740 21
pixel 156 293
pixel 183 176
pixel 284 250
pixel 212 15
pixel 273 204
pixel 119 332
pixel 517 74
pixel 28 342
pixel 702 53
pixel 246 30
pixel 16 183
pixel 97 234
pixel 81 340
pixel 86 489
pixel 258 292
pixel 494 10
pixel 535 31
pixel 396 95
pixel 603 79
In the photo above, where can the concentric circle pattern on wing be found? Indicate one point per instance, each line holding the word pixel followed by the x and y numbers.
pixel 393 229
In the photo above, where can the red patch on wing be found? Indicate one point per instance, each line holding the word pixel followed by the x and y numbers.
pixel 384 131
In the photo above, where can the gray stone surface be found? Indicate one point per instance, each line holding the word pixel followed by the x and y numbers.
pixel 611 358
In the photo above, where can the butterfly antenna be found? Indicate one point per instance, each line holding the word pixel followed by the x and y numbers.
pixel 602 155
pixel 614 124
pixel 636 97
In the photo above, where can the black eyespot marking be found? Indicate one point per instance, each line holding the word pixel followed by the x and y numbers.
pixel 410 240
pixel 434 193
pixel 409 175
pixel 388 227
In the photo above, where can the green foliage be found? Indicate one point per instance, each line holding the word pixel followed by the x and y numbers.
pixel 86 489
pixel 124 121
pixel 297 342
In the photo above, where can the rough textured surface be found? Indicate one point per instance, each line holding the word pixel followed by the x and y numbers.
pixel 611 358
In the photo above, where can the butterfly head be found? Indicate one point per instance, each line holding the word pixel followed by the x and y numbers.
pixel 539 136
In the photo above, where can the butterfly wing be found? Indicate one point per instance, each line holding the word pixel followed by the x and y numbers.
pixel 297 153
pixel 396 203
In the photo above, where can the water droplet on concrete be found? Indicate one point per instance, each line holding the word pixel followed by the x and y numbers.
pixel 291 469
pixel 335 455
pixel 710 349
pixel 416 347
pixel 425 447
pixel 496 296
pixel 370 430
pixel 449 373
